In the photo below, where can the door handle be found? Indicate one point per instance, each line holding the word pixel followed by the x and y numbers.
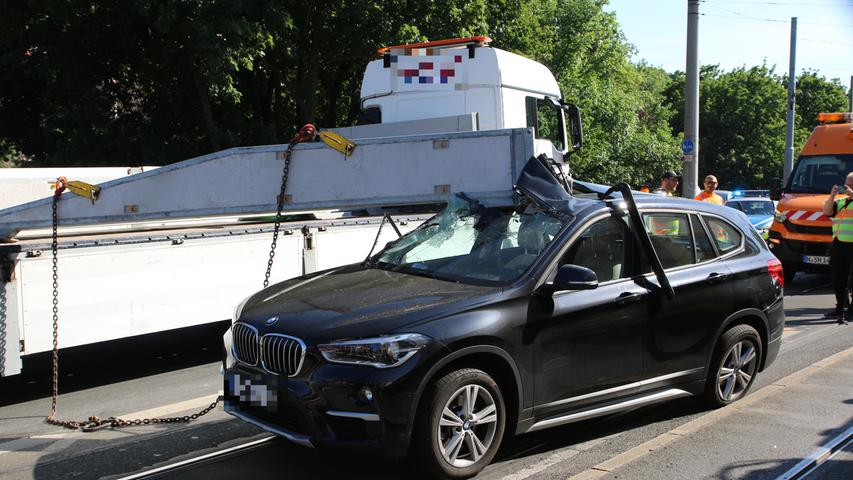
pixel 628 297
pixel 716 278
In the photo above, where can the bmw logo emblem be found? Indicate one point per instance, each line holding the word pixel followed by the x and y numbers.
pixel 271 320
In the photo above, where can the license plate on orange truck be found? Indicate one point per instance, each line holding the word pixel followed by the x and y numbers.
pixel 816 259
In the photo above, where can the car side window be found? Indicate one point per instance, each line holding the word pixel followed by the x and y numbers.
pixel 724 234
pixel 602 249
pixel 704 249
pixel 671 236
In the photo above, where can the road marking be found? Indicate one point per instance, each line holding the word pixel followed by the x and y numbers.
pixel 819 456
pixel 556 458
pixel 624 458
pixel 218 453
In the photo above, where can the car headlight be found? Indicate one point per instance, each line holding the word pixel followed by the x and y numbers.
pixel 239 310
pixel 379 352
pixel 780 217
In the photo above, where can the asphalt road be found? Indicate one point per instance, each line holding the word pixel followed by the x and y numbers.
pixel 177 374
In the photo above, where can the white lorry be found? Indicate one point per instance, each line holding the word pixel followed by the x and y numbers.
pixel 178 246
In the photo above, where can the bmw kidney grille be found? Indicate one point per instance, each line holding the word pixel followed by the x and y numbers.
pixel 277 353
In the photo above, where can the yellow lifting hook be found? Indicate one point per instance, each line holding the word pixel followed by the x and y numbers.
pixel 85 190
pixel 337 142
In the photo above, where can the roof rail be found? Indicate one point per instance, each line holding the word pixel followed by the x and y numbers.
pixel 477 41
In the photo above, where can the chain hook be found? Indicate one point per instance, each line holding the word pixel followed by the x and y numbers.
pixel 94 424
pixel 305 134
pixel 61 185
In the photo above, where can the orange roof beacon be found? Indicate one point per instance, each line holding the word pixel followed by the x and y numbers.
pixel 801 234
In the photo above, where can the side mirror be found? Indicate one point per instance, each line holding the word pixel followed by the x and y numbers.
pixel 575 127
pixel 776 189
pixel 572 277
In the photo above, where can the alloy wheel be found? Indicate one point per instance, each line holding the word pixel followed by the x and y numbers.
pixel 737 370
pixel 467 426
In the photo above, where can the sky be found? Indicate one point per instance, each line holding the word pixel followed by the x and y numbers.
pixel 735 33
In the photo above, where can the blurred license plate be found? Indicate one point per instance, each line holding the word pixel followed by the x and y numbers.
pixel 816 259
pixel 251 390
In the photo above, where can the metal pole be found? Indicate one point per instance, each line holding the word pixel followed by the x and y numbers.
pixel 792 97
pixel 851 94
pixel 690 147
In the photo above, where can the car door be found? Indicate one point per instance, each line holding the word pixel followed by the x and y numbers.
pixel 591 340
pixel 681 330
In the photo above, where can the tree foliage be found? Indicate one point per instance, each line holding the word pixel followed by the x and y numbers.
pixel 742 120
pixel 154 82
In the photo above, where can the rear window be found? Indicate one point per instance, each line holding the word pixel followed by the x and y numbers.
pixel 726 236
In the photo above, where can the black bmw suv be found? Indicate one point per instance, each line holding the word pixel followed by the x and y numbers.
pixel 493 321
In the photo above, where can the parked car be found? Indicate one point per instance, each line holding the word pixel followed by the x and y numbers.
pixel 486 322
pixel 759 210
pixel 751 193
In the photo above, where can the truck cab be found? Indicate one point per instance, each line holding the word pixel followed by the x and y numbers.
pixel 801 234
pixel 464 76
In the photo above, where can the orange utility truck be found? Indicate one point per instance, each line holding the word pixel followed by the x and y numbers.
pixel 801 234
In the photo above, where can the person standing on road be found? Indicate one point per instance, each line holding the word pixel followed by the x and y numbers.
pixel 668 184
pixel 841 251
pixel 708 194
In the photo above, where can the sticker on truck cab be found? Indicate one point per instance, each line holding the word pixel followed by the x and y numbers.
pixel 428 68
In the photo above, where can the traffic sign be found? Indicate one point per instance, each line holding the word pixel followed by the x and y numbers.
pixel 687 146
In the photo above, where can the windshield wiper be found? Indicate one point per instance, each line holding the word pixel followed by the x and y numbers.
pixel 407 268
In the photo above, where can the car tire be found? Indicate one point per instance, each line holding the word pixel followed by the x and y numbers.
pixel 734 366
pixel 453 437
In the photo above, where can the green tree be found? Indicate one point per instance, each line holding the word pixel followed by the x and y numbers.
pixel 626 126
pixel 816 94
pixel 152 82
pixel 742 125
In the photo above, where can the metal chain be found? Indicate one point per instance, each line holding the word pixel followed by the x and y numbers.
pixel 93 423
pixel 280 206
pixel 306 133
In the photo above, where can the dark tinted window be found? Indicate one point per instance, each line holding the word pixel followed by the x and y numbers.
pixel 735 205
pixel 704 249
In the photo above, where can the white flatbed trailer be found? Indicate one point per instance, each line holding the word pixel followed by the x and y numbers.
pixel 165 249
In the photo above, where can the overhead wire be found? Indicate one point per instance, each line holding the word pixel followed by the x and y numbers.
pixel 792 4
pixel 803 37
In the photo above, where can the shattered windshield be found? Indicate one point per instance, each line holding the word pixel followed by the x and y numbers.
pixel 469 243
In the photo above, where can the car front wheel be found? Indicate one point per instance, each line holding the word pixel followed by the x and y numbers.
pixel 734 366
pixel 461 425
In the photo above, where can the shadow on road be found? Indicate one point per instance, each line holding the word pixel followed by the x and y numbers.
pixel 834 468
pixel 116 361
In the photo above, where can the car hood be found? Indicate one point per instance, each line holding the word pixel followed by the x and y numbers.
pixel 760 221
pixel 356 302
pixel 801 201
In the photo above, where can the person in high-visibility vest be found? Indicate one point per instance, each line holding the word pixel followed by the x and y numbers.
pixel 708 194
pixel 841 251
pixel 668 184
